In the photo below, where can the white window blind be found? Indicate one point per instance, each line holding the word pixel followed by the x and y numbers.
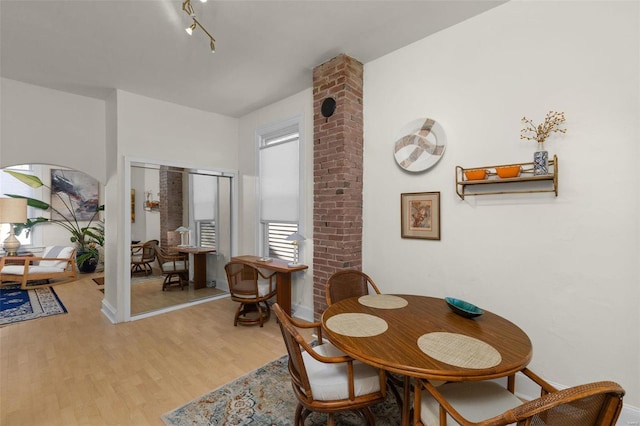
pixel 204 197
pixel 279 176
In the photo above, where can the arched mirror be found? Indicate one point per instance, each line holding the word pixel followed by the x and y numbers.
pixel 185 216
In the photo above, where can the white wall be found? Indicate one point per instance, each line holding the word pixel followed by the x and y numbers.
pixel 564 269
pixel 44 126
pixel 160 132
pixel 298 105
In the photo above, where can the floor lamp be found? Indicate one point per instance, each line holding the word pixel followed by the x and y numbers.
pixel 12 210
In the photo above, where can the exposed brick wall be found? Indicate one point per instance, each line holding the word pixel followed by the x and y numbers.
pixel 337 163
pixel 170 201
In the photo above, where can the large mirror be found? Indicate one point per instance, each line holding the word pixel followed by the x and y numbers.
pixel 186 215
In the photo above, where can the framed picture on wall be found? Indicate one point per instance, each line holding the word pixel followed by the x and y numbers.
pixel 133 205
pixel 420 215
pixel 78 190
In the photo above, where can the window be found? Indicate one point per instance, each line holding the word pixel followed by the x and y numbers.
pixel 276 236
pixel 279 187
pixel 10 185
pixel 204 199
pixel 206 231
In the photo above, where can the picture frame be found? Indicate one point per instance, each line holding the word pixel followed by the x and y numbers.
pixel 133 206
pixel 77 189
pixel 420 215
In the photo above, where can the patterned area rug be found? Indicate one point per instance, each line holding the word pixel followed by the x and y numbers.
pixel 21 305
pixel 264 397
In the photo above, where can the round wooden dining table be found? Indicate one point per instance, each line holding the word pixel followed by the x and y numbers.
pixel 421 337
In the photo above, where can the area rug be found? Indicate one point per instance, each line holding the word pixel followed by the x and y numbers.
pixel 264 397
pixel 22 305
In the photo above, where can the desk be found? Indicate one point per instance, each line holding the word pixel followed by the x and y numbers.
pixel 397 348
pixel 283 277
pixel 199 263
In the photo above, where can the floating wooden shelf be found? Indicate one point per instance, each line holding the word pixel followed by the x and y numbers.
pixel 466 187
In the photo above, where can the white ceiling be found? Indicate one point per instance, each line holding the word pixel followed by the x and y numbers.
pixel 265 50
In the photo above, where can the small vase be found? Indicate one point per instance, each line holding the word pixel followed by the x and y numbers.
pixel 540 161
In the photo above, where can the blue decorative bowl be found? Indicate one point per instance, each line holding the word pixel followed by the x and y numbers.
pixel 463 308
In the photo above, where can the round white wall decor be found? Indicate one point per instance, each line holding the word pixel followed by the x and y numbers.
pixel 420 146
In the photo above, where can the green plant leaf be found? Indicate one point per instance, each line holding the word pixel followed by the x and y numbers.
pixel 31 180
pixel 31 202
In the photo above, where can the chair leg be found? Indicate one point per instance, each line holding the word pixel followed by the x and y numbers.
pixel 299 420
pixel 369 416
pixel 330 420
pixel 260 315
pixel 238 312
pixel 391 384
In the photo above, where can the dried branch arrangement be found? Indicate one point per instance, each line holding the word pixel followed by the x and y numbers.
pixel 541 132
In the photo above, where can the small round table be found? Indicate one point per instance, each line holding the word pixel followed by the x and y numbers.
pixel 423 338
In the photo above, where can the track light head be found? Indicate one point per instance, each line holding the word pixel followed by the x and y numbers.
pixel 188 9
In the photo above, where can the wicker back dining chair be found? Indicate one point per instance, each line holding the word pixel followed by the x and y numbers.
pixel 252 288
pixel 172 265
pixel 348 283
pixel 142 256
pixel 326 380
pixel 487 403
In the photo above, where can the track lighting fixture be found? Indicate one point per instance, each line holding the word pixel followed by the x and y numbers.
pixel 190 28
pixel 188 9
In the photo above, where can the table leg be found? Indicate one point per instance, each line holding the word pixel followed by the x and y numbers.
pixel 406 402
pixel 199 270
pixel 283 291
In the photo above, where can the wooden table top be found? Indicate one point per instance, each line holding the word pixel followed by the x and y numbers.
pixel 192 249
pixel 396 349
pixel 273 265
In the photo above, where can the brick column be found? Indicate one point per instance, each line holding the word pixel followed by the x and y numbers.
pixel 337 163
pixel 170 201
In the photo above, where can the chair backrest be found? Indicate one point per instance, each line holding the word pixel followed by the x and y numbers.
pixel 163 257
pixel 597 404
pixel 149 250
pixel 56 252
pixel 292 337
pixel 348 283
pixel 242 278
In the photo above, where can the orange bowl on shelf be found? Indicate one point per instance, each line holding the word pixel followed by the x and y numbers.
pixel 508 171
pixel 477 174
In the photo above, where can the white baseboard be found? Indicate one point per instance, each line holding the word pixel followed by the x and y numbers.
pixel 302 312
pixel 630 416
pixel 108 311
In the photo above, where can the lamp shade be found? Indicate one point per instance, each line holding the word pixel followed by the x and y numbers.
pixel 182 229
pixel 13 210
pixel 295 237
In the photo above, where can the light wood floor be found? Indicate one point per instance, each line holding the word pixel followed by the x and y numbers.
pixel 147 294
pixel 79 369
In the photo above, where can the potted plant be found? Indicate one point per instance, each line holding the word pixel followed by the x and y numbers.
pixel 540 133
pixel 86 238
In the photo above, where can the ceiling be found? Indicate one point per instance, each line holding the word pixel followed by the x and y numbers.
pixel 265 50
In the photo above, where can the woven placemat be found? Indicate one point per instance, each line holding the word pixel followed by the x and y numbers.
pixel 357 325
pixel 459 350
pixel 383 301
